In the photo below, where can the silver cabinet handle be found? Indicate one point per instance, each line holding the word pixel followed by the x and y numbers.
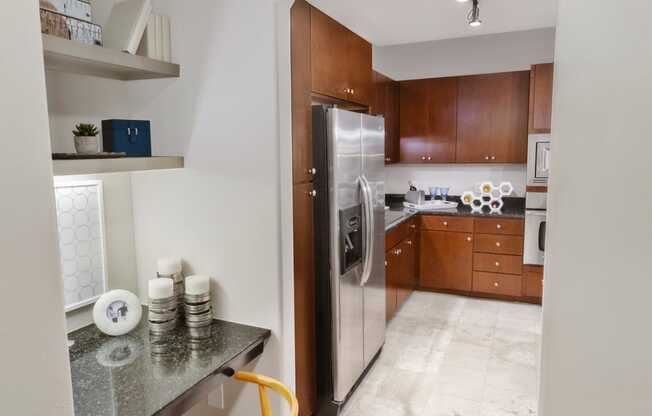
pixel 493 157
pixel 312 171
pixel 136 131
pixel 497 264
pixel 129 131
pixel 486 158
pixel 445 223
pixel 468 239
pixel 388 159
pixel 423 158
pixel 413 226
pixel 429 158
pixel 496 284
pixel 352 91
pixel 499 226
pixel 313 193
pixel 497 244
pixel 386 263
pixel 409 242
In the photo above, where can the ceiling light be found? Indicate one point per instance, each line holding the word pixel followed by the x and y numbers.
pixel 474 15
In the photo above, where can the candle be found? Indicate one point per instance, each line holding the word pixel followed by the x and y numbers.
pixel 197 285
pixel 161 288
pixel 168 266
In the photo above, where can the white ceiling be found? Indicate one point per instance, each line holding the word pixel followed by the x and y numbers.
pixel 391 22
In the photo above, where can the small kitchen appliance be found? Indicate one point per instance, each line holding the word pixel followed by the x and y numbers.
pixel 538 171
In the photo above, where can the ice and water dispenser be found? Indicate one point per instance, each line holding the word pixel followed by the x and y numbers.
pixel 351 230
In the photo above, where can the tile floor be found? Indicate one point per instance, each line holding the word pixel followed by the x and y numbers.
pixel 448 355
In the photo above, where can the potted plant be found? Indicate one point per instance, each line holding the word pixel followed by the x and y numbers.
pixel 86 141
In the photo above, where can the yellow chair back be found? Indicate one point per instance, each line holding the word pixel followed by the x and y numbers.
pixel 269 383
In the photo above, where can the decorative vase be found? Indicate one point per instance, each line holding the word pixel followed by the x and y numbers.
pixel 86 145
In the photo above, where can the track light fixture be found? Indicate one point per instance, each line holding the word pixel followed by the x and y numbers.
pixel 474 15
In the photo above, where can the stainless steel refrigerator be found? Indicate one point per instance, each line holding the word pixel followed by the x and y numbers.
pixel 349 153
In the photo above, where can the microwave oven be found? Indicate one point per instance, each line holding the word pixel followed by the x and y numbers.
pixel 538 160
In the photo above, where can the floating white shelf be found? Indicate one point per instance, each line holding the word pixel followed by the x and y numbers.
pixel 65 55
pixel 126 164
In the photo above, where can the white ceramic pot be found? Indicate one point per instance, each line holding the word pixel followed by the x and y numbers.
pixel 87 144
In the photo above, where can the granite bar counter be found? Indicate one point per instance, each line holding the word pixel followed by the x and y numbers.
pixel 397 213
pixel 141 374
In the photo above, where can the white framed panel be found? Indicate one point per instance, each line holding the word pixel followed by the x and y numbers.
pixel 80 219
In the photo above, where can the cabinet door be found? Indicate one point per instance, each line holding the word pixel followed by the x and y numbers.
pixel 304 297
pixel 446 260
pixel 329 42
pixel 541 82
pixel 442 119
pixel 358 63
pixel 392 264
pixel 392 114
pixel 407 272
pixel 493 118
pixel 302 162
pixel 414 121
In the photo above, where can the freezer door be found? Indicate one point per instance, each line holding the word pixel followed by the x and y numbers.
pixel 344 135
pixel 373 170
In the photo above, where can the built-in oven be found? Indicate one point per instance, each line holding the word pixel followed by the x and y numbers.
pixel 538 160
pixel 535 237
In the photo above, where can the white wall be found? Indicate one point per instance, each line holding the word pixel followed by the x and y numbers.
pixel 459 178
pixel 513 51
pixel 221 213
pixel 35 375
pixel 596 326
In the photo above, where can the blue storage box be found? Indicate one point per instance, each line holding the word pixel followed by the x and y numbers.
pixel 132 137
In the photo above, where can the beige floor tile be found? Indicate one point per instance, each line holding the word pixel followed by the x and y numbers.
pixel 441 405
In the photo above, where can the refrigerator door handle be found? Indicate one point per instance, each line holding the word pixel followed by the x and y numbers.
pixel 369 236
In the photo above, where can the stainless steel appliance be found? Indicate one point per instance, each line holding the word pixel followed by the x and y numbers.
pixel 538 160
pixel 538 171
pixel 349 154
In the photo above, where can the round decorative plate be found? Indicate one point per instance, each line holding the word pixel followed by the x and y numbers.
pixel 117 312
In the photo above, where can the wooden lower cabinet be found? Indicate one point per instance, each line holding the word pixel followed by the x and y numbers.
pixel 497 284
pixel 400 267
pixel 446 260
pixel 392 265
pixel 304 299
pixel 533 282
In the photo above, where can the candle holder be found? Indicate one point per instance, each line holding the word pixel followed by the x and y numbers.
pixel 163 306
pixel 197 305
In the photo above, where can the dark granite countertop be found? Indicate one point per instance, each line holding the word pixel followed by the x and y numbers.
pixel 137 374
pixel 397 214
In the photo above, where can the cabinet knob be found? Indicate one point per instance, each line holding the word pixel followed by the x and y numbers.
pixel 493 157
pixel 429 158
pixel 423 158
pixel 497 264
pixel 388 159
pixel 496 284
pixel 312 193
pixel 499 226
pixel 468 239
pixel 352 91
pixel 498 244
pixel 413 226
pixel 486 158
pixel 312 171
pixel 409 242
pixel 385 263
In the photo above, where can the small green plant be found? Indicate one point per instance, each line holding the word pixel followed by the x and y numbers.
pixel 86 130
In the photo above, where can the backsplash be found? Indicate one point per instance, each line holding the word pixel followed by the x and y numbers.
pixel 459 178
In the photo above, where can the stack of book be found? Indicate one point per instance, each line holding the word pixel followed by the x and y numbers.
pixel 133 28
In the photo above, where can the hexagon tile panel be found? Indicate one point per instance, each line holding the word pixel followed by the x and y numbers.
pixel 81 241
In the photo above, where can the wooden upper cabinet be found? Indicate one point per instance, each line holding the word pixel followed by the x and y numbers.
pixel 414 121
pixel 302 162
pixel 341 61
pixel 493 118
pixel 386 104
pixel 541 82
pixel 442 119
pixel 428 120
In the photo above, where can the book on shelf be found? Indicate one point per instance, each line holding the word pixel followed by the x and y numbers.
pixel 126 25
